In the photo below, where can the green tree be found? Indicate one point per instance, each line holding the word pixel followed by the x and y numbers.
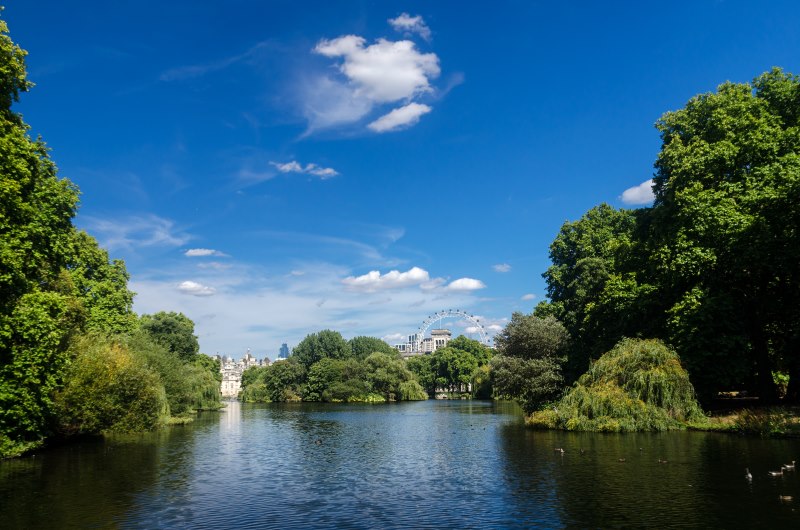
pixel 362 347
pixel 37 314
pixel 390 377
pixel 173 331
pixel 724 236
pixel 101 286
pixel 595 285
pixel 317 346
pixel 422 367
pixel 529 362
pixel 478 350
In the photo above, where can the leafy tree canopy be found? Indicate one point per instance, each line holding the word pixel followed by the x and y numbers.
pixel 173 331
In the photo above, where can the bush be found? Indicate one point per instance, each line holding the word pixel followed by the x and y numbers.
pixel 639 385
pixel 108 389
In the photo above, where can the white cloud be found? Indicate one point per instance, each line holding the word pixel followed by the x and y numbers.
pixel 289 167
pixel 255 307
pixel 328 103
pixel 407 24
pixel 400 117
pixel 135 232
pixel 465 284
pixel 195 289
pixel 309 169
pixel 374 280
pixel 202 252
pixel 385 71
pixel 394 337
pixel 502 267
pixel 528 296
pixel 638 195
pixel 214 265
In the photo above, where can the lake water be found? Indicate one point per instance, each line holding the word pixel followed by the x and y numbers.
pixel 432 464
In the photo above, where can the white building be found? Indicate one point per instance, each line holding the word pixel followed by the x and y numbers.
pixel 232 372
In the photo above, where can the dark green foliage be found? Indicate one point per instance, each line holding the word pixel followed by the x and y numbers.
pixel 173 331
pixel 528 366
pixel 639 385
pixel 530 382
pixel 317 346
pixel 714 266
pixel 362 347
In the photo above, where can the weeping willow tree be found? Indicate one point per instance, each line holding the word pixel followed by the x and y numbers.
pixel 639 385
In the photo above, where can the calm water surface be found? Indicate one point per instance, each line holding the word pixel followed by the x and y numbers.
pixel 433 464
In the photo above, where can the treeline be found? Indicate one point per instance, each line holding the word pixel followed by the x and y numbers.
pixel 326 367
pixel 74 358
pixel 713 267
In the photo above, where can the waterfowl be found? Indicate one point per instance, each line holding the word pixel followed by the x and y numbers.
pixel 785 498
pixel 559 450
pixel 775 473
pixel 621 459
pixel 747 474
pixel 788 467
pixel 583 451
pixel 663 461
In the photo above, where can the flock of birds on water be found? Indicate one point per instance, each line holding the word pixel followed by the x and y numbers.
pixel 747 475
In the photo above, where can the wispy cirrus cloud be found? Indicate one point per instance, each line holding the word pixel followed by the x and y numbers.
pixel 181 73
pixel 135 231
pixel 204 252
pixel 501 267
pixel 400 118
pixel 309 169
pixel 527 297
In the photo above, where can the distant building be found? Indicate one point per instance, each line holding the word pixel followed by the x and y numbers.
pixel 232 372
pixel 284 352
pixel 439 339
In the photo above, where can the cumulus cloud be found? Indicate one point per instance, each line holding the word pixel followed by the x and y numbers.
pixel 203 252
pixel 407 24
pixel 502 267
pixel 465 284
pixel 309 169
pixel 195 289
pixel 374 280
pixel 385 71
pixel 399 118
pixel 638 195
pixel 528 296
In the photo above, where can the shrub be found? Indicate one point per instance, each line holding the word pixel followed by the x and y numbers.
pixel 637 386
pixel 107 389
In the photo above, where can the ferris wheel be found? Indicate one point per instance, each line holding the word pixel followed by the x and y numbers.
pixel 437 317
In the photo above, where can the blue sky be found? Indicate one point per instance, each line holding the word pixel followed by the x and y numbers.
pixel 271 169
